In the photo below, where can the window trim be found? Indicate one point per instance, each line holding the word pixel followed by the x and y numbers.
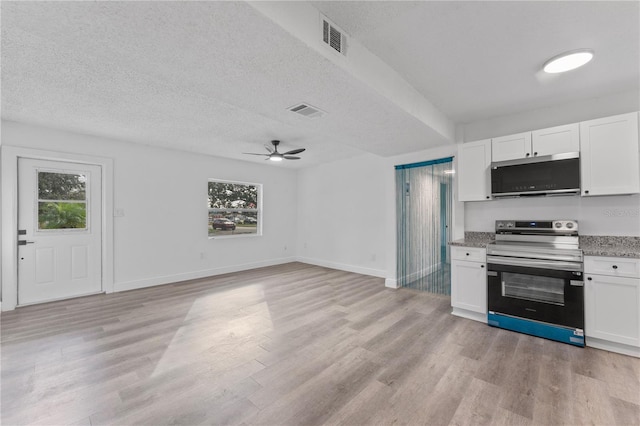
pixel 260 208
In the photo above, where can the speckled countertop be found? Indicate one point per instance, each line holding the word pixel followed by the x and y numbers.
pixel 475 239
pixel 591 245
pixel 594 245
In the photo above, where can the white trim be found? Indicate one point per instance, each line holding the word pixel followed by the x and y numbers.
pixel 9 186
pixel 476 316
pixel 620 348
pixel 344 267
pixel 391 283
pixel 172 279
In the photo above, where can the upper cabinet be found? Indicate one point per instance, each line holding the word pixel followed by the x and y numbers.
pixel 474 177
pixel 511 147
pixel 610 155
pixel 555 140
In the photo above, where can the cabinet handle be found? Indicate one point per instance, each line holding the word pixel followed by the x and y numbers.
pixel 467 254
pixel 589 278
pixel 482 266
pixel 615 266
pixel 586 192
pixel 488 197
pixel 535 153
pixel 527 154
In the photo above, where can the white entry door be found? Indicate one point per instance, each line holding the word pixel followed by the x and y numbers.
pixel 59 230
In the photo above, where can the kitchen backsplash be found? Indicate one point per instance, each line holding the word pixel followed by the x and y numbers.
pixel 613 215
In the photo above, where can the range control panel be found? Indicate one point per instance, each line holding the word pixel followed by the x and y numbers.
pixel 537 226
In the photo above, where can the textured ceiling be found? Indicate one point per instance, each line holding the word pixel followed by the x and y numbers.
pixel 217 77
pixel 211 77
pixel 481 59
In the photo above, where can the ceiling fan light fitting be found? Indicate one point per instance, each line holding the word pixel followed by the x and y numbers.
pixel 276 157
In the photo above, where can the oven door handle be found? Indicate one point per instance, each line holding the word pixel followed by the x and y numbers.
pixel 535 263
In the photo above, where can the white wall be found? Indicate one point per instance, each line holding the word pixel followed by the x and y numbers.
pixel 343 215
pixel 163 234
pixel 613 215
pixel 346 212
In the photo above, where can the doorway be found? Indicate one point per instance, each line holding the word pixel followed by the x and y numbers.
pixel 424 207
pixel 59 230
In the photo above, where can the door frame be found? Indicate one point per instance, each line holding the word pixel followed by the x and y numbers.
pixel 9 186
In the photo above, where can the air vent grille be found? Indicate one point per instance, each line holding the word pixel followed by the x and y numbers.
pixel 307 110
pixel 332 36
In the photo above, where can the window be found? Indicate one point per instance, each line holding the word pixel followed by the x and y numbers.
pixel 62 201
pixel 234 208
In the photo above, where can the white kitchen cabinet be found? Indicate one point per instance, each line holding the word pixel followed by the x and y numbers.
pixel 511 147
pixel 555 140
pixel 469 285
pixel 610 155
pixel 474 171
pixel 612 311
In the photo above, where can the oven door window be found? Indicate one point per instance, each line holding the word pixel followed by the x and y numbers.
pixel 533 287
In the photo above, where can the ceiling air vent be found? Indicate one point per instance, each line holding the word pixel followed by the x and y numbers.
pixel 333 37
pixel 306 110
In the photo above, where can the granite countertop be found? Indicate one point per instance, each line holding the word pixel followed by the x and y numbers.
pixel 475 239
pixel 593 245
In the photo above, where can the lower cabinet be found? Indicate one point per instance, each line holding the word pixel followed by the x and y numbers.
pixel 469 283
pixel 612 310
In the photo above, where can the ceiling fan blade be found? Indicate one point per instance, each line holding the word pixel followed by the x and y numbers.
pixel 293 151
pixel 290 157
pixel 253 153
pixel 268 148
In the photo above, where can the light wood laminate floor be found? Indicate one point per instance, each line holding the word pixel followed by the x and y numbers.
pixel 295 345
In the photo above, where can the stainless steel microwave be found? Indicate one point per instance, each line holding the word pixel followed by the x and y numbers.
pixel 557 174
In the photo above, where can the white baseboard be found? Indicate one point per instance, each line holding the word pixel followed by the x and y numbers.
pixel 170 279
pixel 469 315
pixel 391 283
pixel 612 346
pixel 344 267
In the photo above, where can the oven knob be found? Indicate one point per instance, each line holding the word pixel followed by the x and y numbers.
pixel 558 225
pixel 510 225
pixel 569 225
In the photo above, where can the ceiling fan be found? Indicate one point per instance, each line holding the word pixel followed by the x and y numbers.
pixel 274 155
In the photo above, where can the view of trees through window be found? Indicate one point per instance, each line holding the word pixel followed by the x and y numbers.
pixel 62 201
pixel 233 208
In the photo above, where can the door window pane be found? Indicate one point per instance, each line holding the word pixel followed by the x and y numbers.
pixel 61 215
pixel 62 200
pixel 61 186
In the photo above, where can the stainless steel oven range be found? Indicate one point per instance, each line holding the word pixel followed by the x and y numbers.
pixel 535 279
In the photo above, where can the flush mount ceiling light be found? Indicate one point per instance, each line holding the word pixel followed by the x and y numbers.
pixel 568 61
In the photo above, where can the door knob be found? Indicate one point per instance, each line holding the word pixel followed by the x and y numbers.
pixel 24 243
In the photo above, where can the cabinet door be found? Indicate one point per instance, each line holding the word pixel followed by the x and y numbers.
pixel 556 140
pixel 474 171
pixel 611 309
pixel 511 147
pixel 469 286
pixel 609 155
